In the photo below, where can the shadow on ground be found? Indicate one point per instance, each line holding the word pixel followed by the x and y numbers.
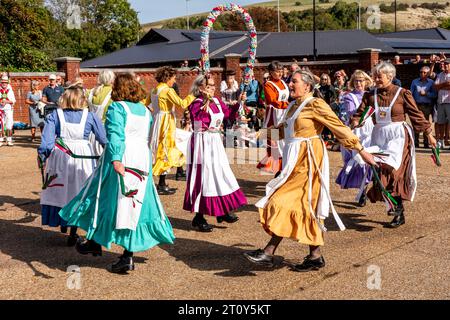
pixel 34 245
pixel 227 261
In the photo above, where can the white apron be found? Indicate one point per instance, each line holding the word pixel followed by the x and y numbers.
pixel 71 173
pixel 364 134
pixel 182 138
pixel 99 110
pixel 277 114
pixel 136 143
pixel 158 115
pixel 290 156
pixel 217 179
pixel 390 137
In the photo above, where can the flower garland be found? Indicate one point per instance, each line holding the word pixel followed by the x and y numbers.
pixel 208 24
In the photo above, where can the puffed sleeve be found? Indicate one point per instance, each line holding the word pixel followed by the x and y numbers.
pixel 98 129
pixel 349 106
pixel 418 121
pixel 49 135
pixel 116 119
pixel 327 117
pixel 173 97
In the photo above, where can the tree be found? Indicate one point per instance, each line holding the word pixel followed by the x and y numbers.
pixel 106 25
pixel 23 26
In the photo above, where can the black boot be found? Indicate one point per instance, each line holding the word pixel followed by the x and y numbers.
pixel 180 175
pixel 89 246
pixel 63 229
pixel 398 213
pixel 398 210
pixel 163 188
pixel 200 223
pixel 363 199
pixel 124 264
pixel 230 218
pixel 73 237
pixel 397 221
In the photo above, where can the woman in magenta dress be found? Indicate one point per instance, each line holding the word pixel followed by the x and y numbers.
pixel 212 188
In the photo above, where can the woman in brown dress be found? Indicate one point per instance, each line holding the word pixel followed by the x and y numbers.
pixel 394 137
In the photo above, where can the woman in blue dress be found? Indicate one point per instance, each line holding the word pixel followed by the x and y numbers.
pixel 119 203
pixel 66 155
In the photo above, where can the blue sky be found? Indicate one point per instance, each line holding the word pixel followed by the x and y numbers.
pixel 154 10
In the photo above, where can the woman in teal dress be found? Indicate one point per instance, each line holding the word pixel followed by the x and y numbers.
pixel 119 203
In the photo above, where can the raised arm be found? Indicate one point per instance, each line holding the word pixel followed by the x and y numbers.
pixel 173 97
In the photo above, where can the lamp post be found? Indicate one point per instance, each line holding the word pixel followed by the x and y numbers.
pixel 278 15
pixel 359 14
pixel 187 14
pixel 395 23
pixel 314 31
pixel 139 26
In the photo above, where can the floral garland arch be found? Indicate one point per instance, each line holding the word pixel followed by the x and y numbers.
pixel 207 26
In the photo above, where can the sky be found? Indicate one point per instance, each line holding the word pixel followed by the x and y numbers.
pixel 155 10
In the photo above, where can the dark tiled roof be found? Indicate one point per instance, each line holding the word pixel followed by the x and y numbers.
pixel 418 41
pixel 165 46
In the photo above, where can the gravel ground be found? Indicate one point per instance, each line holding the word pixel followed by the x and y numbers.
pixel 412 261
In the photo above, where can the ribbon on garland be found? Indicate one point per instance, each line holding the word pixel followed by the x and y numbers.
pixel 64 148
pixel 388 198
pixel 133 192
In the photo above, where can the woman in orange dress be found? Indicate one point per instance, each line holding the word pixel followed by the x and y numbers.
pixel 276 93
pixel 298 200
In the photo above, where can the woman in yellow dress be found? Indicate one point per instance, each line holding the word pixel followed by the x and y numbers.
pixel 298 200
pixel 165 153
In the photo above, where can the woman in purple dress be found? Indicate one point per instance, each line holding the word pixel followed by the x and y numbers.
pixel 355 173
pixel 212 188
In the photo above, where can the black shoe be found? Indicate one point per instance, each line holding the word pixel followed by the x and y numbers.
pixel 63 229
pixel 277 174
pixel 309 264
pixel 72 240
pixel 89 246
pixel 259 257
pixel 362 200
pixel 397 222
pixel 123 265
pixel 201 225
pixel 227 218
pixel 165 190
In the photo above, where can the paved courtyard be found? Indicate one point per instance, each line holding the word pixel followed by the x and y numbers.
pixel 367 261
